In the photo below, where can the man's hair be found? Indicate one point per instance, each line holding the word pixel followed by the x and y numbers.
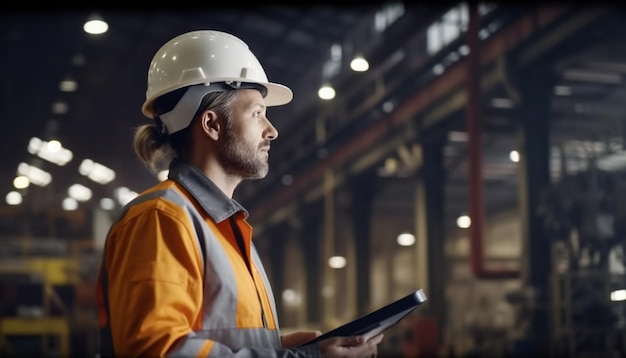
pixel 156 150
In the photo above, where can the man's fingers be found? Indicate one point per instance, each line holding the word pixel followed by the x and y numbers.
pixel 376 339
pixel 349 341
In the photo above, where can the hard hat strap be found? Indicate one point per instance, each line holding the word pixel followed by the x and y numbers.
pixel 182 114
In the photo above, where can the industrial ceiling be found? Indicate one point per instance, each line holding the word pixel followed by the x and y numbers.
pixel 294 45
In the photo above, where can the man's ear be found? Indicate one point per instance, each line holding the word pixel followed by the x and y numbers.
pixel 210 124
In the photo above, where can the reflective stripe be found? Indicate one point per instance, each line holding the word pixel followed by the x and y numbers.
pixel 220 301
pixel 256 260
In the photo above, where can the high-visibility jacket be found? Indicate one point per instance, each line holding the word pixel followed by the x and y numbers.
pixel 180 276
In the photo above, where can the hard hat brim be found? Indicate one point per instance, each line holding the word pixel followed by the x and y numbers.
pixel 277 94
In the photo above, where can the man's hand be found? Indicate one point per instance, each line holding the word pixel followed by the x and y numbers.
pixel 351 347
pixel 297 338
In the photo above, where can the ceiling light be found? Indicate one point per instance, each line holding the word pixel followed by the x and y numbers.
pixel 326 92
pixel 337 262
pixel 96 171
pixel 514 156
pixel 405 239
pixel 618 295
pixel 35 175
pixel 54 146
pixel 107 204
pixel 51 151
pixel 21 182
pixel 124 195
pixel 438 69
pixel 68 85
pixel 359 64
pixel 291 297
pixel 95 25
pixel 464 50
pixel 79 192
pixel 69 204
pixel 59 107
pixel 388 106
pixel 463 221
pixel 13 198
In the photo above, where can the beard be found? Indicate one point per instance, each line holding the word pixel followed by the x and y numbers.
pixel 241 158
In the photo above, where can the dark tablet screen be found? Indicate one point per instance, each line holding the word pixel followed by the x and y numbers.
pixel 377 321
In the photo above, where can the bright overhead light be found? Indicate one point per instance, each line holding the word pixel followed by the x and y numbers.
pixel 35 175
pixel 68 85
pixel 54 146
pixel 359 64
pixel 79 192
pixel 96 171
pixel 291 297
pixel 326 92
pixel 69 204
pixel 21 182
pixel 405 239
pixel 618 295
pixel 14 198
pixel 107 204
pixel 51 151
pixel 124 195
pixel 337 262
pixel 464 222
pixel 95 25
pixel 514 156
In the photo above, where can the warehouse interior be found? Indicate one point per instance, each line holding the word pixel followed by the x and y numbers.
pixel 480 158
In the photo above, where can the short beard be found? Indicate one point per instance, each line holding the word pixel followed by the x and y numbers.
pixel 240 162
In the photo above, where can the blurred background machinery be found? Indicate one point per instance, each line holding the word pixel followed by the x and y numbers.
pixel 47 295
pixel 586 222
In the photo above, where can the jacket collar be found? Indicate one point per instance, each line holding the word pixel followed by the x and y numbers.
pixel 211 198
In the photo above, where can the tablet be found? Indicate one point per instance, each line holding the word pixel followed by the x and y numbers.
pixel 377 321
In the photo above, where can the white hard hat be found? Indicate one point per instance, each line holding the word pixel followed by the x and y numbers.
pixel 206 57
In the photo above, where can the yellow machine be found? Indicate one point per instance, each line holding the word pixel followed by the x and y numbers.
pixel 41 299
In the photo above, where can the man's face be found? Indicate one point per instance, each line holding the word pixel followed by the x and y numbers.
pixel 245 146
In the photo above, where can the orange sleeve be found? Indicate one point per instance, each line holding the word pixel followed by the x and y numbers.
pixel 155 282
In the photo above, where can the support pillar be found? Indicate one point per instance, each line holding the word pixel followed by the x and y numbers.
pixel 311 241
pixel 432 204
pixel 536 87
pixel 363 189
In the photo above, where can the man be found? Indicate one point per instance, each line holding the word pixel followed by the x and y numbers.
pixel 180 275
